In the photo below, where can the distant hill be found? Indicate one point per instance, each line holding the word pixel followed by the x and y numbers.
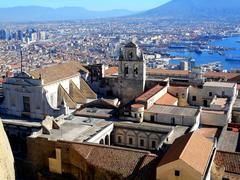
pixel 196 9
pixel 37 13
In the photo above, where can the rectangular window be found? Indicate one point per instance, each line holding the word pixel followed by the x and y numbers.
pixel 173 121
pixel 154 144
pixel 26 104
pixel 177 173
pixel 130 141
pixel 223 93
pixel 210 94
pixel 141 142
pixel 194 98
pixel 152 118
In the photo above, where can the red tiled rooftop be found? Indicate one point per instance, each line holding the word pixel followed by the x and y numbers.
pixel 137 106
pixel 117 160
pixel 150 93
pixel 189 149
pixel 111 71
pixel 221 75
pixel 230 160
pixel 159 71
pixel 167 99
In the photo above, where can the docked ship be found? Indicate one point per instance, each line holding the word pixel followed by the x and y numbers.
pixel 233 58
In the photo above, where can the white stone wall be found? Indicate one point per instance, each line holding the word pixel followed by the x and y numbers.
pixel 52 89
pixel 214 119
pixel 168 118
pixel 156 97
pixel 42 99
pixel 203 94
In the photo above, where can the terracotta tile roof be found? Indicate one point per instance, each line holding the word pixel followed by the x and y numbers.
pixel 159 71
pixel 208 132
pixel 221 75
pixel 230 160
pixel 235 79
pixel 150 93
pixel 121 161
pixel 167 99
pixel 111 71
pixel 193 149
pixel 58 72
pixel 136 106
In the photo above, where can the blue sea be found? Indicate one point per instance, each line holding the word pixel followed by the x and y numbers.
pixel 206 58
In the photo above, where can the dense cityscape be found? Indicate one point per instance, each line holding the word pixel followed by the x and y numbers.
pixel 99 41
pixel 132 97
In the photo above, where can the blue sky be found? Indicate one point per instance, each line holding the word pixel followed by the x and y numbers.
pixel 134 5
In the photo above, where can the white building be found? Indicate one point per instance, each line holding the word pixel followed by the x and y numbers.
pixel 49 91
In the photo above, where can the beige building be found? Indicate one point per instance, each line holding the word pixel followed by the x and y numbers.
pixel 189 157
pixel 7 171
pixel 69 160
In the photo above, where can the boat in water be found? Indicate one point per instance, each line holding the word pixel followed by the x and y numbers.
pixel 233 58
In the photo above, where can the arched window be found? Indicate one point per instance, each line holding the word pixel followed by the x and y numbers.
pixel 119 139
pixel 153 144
pixel 135 70
pixel 125 69
pixel 130 55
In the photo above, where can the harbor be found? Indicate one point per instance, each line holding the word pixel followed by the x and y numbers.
pixel 221 54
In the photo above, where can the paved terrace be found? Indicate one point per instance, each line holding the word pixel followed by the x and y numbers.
pixel 78 129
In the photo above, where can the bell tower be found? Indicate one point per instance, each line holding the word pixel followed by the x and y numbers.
pixel 132 72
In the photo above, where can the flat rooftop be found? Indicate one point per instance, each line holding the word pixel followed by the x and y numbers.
pixel 77 129
pixel 17 121
pixel 95 112
pixel 229 141
pixel 220 102
pixel 144 126
pixel 174 110
pixel 219 84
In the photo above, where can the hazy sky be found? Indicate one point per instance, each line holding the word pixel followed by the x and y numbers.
pixel 135 5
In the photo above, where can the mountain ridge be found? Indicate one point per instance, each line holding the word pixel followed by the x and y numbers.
pixel 40 13
pixel 195 9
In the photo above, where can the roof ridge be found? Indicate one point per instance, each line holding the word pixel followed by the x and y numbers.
pixel 180 157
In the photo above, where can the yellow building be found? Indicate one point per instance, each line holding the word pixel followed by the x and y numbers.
pixel 189 158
